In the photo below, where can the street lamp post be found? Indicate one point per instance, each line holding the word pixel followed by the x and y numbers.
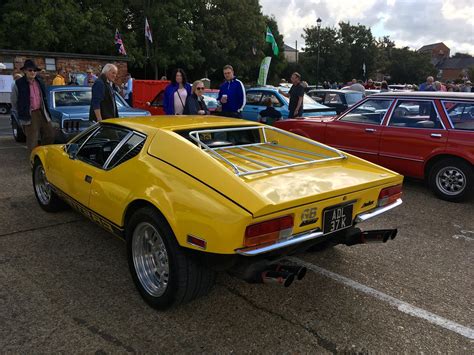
pixel 318 25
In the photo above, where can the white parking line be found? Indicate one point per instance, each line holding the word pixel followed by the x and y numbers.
pixel 16 147
pixel 400 305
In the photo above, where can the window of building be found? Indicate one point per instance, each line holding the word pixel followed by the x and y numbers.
pixel 8 61
pixel 50 64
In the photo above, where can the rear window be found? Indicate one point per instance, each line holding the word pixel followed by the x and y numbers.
pixel 72 98
pixel 223 138
pixel 461 114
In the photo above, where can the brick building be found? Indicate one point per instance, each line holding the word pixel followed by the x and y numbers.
pixel 437 52
pixel 448 68
pixel 51 62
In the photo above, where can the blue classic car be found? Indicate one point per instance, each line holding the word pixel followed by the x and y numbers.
pixel 69 107
pixel 256 103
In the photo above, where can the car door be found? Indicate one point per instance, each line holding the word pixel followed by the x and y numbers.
pixel 253 105
pixel 414 132
pixel 93 151
pixel 358 130
pixel 111 186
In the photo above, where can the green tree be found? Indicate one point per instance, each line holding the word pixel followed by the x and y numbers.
pixel 409 67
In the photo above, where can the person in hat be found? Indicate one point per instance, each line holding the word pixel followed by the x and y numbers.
pixel 30 102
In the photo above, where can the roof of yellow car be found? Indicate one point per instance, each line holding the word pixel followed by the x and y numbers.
pixel 148 124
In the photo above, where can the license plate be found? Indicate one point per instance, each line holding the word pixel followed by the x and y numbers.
pixel 337 218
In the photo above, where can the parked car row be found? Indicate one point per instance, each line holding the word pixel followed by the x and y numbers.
pixel 425 135
pixel 69 107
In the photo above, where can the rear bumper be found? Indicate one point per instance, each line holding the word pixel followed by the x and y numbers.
pixel 306 236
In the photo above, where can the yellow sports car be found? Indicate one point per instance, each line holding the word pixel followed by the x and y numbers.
pixel 195 195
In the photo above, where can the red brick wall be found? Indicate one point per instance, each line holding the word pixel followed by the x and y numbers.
pixel 71 65
pixel 451 74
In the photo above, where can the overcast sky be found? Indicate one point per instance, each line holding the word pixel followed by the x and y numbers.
pixel 411 23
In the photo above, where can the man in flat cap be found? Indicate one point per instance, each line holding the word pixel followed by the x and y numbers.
pixel 29 101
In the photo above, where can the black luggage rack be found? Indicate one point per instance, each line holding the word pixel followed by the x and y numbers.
pixel 243 158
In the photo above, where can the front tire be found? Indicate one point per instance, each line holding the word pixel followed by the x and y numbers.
pixel 162 272
pixel 47 199
pixel 452 179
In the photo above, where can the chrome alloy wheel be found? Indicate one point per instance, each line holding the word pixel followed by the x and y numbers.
pixel 42 186
pixel 451 180
pixel 150 259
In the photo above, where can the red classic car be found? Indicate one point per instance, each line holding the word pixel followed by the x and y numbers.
pixel 426 135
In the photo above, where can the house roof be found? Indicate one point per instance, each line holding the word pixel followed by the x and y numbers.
pixel 456 63
pixel 288 48
pixel 430 46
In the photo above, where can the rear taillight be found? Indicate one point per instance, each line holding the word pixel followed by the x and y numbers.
pixel 268 231
pixel 389 195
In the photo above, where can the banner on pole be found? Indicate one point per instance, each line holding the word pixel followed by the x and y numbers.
pixel 264 68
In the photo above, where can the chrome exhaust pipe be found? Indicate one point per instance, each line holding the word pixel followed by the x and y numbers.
pixel 298 271
pixel 378 236
pixel 281 278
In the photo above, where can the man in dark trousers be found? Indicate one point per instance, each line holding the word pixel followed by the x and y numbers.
pixel 231 94
pixel 30 102
pixel 296 96
pixel 103 103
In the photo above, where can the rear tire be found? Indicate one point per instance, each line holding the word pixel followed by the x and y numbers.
pixel 17 132
pixel 452 179
pixel 162 272
pixel 47 199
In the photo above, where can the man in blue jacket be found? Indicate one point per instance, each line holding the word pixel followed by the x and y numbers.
pixel 231 94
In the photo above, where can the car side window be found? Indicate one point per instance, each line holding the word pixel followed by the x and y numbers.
pixel 415 114
pixel 461 114
pixel 369 112
pixel 332 98
pixel 97 149
pixel 130 148
pixel 253 98
pixel 275 101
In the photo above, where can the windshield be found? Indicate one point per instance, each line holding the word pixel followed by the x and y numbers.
pixel 353 98
pixel 306 100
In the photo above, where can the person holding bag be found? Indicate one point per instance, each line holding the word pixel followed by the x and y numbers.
pixel 195 104
pixel 176 93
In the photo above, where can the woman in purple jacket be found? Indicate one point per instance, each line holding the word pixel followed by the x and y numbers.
pixel 176 93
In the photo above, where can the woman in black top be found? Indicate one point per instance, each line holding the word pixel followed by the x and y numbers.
pixel 195 104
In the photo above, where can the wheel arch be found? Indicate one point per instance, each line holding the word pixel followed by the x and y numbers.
pixel 433 160
pixel 137 204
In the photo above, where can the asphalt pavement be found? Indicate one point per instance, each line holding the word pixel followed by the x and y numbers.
pixel 65 287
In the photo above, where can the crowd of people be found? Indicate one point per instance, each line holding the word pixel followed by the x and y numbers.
pixel 180 97
pixel 429 85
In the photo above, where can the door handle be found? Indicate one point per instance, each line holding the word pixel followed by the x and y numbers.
pixel 370 130
pixel 436 135
pixel 88 179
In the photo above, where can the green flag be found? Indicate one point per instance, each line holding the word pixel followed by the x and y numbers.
pixel 264 67
pixel 270 39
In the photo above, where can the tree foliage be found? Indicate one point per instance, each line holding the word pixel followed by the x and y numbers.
pixel 201 36
pixel 346 49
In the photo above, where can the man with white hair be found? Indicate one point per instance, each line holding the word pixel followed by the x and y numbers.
pixel 429 85
pixel 103 103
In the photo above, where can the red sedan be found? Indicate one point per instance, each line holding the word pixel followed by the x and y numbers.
pixel 426 135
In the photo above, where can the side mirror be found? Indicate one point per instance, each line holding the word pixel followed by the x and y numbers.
pixel 72 149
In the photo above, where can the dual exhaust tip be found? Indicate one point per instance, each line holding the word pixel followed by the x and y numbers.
pixel 283 275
